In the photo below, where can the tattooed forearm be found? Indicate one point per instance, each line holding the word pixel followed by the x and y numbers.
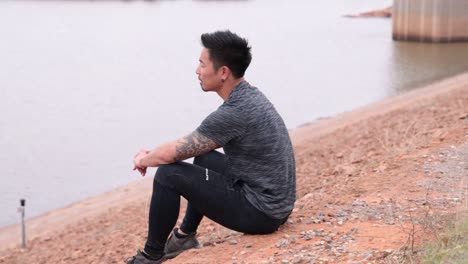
pixel 193 145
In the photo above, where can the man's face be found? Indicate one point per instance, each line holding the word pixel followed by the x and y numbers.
pixel 210 79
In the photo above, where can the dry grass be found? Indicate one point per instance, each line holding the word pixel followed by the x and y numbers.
pixel 451 245
pixel 447 234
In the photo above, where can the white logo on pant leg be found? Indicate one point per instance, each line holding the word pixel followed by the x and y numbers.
pixel 207 176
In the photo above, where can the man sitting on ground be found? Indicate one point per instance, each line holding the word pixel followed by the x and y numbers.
pixel 251 188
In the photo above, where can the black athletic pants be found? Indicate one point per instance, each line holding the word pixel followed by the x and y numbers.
pixel 209 193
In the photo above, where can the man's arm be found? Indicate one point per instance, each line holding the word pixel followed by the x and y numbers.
pixel 193 145
pixel 187 147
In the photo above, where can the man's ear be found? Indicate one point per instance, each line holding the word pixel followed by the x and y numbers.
pixel 225 72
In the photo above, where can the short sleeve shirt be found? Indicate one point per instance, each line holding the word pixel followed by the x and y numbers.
pixel 258 149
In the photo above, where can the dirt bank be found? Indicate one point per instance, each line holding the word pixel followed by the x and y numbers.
pixel 372 184
pixel 385 13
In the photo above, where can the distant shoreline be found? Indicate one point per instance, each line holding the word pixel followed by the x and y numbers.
pixel 383 13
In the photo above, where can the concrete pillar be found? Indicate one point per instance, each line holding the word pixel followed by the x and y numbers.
pixel 430 20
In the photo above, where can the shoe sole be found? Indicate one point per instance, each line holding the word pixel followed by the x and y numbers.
pixel 176 253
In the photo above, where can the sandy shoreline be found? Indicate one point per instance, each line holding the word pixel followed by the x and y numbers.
pixel 324 126
pixel 88 212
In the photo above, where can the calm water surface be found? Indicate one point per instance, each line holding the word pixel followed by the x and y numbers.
pixel 83 85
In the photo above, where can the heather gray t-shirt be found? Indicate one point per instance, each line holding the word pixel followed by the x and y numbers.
pixel 258 149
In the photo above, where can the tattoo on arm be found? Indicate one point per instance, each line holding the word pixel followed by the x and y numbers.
pixel 193 145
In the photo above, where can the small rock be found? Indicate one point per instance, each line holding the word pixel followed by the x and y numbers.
pixel 341 214
pixel 442 201
pixel 233 233
pixel 232 242
pixel 341 249
pixel 297 259
pixel 282 243
pixel 248 245
pixel 358 202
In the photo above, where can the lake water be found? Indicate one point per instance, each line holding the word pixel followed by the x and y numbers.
pixel 84 84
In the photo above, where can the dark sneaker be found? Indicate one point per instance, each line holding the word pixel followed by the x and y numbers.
pixel 175 245
pixel 139 258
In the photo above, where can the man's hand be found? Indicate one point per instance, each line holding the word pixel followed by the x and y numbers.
pixel 187 147
pixel 137 161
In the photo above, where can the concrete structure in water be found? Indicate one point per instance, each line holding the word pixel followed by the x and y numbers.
pixel 430 20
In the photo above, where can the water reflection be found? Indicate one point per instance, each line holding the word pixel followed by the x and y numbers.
pixel 418 64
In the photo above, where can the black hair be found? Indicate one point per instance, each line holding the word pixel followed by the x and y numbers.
pixel 228 49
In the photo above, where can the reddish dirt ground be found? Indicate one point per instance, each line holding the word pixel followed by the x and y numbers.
pixel 372 185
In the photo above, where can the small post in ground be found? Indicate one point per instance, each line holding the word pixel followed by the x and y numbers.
pixel 21 209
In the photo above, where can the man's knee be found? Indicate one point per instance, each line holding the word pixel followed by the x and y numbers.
pixel 200 160
pixel 204 159
pixel 163 174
